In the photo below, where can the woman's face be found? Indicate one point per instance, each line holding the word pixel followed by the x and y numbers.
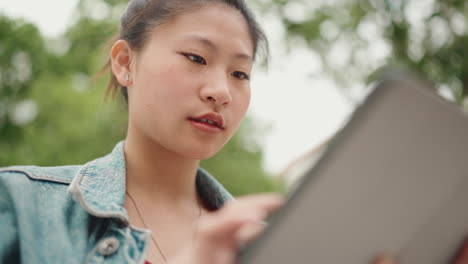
pixel 190 84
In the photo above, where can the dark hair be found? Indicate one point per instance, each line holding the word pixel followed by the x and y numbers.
pixel 142 16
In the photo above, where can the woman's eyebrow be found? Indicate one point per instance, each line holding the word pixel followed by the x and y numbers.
pixel 207 42
pixel 211 45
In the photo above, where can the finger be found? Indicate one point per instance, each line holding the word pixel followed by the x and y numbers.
pixel 217 231
pixel 384 259
pixel 267 202
pixel 250 231
pixel 249 209
pixel 462 256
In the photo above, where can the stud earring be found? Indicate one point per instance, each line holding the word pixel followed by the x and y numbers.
pixel 127 78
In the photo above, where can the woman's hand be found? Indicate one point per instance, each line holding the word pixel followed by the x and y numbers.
pixel 221 233
pixel 462 256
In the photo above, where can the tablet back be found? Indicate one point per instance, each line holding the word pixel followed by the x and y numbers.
pixel 394 180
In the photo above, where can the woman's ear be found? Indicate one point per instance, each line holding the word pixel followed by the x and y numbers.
pixel 121 58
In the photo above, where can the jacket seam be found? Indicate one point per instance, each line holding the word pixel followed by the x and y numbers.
pixel 36 176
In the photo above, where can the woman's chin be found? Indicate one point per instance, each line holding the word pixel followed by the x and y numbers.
pixel 200 153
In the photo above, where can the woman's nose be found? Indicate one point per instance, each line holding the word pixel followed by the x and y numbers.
pixel 216 91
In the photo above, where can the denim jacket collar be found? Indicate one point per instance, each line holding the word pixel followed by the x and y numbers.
pixel 99 186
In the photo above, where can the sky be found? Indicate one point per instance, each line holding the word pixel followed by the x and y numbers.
pixel 299 111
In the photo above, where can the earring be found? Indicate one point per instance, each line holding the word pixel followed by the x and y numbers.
pixel 127 78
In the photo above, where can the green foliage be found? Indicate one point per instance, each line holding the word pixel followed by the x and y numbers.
pixel 22 58
pixel 70 123
pixel 22 55
pixel 88 36
pixel 429 39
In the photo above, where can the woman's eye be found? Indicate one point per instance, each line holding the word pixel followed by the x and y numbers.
pixel 195 58
pixel 241 75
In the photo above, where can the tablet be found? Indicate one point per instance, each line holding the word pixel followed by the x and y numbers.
pixel 394 179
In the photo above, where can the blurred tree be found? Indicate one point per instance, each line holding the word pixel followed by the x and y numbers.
pixel 22 58
pixel 49 108
pixel 358 38
pixel 50 81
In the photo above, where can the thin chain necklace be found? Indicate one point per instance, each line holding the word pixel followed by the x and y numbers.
pixel 152 237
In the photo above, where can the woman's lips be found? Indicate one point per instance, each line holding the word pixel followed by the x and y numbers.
pixel 210 123
pixel 205 126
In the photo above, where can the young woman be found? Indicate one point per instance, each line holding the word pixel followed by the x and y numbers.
pixel 184 68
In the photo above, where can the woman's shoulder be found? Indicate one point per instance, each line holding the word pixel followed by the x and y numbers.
pixel 64 175
pixel 27 185
pixel 58 174
pixel 30 191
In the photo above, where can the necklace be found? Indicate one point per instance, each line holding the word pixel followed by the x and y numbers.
pixel 152 237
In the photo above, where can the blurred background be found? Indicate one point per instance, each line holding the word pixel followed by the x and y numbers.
pixel 325 56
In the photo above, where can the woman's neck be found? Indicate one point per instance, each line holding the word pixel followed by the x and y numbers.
pixel 156 174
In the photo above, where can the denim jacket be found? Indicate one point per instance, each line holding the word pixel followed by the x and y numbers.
pixel 75 214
